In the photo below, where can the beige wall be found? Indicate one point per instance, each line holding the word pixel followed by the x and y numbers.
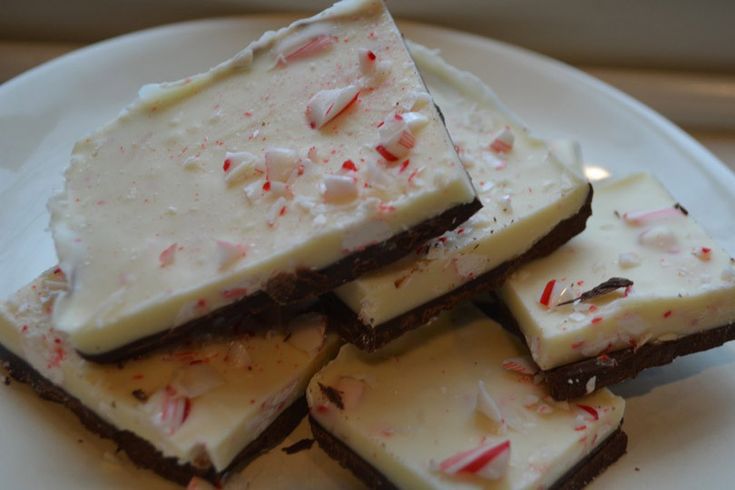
pixel 680 34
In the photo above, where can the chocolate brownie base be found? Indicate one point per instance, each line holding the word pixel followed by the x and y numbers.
pixel 370 338
pixel 582 473
pixel 142 452
pixel 304 283
pixel 570 380
pixel 301 285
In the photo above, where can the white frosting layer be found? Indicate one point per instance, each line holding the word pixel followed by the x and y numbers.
pixel 203 189
pixel 450 387
pixel 524 188
pixel 197 404
pixel 683 281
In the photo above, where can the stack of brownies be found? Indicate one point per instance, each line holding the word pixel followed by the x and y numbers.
pixel 302 229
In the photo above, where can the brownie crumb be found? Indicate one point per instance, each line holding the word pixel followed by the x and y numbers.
pixel 7 381
pixel 333 395
pixel 637 468
pixel 302 445
pixel 140 395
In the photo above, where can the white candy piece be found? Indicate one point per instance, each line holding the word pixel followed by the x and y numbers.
pixel 196 380
pixel 487 405
pixel 279 163
pixel 308 334
pixel 242 165
pixel 396 138
pixel 415 120
pixel 626 260
pixel 661 237
pixel 328 104
pixel 503 141
pixel 229 253
pixel 496 454
pixel 339 189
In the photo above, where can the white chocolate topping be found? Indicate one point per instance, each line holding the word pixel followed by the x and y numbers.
pixel 198 404
pixel 224 179
pixel 681 279
pixel 524 188
pixel 426 412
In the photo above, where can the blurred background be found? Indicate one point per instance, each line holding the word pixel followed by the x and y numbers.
pixel 677 56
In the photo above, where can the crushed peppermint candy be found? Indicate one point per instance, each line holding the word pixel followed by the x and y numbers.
pixel 173 409
pixel 310 41
pixel 661 237
pixel 637 218
pixel 239 166
pixel 339 189
pixel 589 387
pixel 367 59
pixel 627 260
pixel 545 298
pixel 280 163
pixel 229 253
pixel 307 333
pixel 503 141
pixel 396 138
pixel 237 355
pixel 415 120
pixel 196 380
pixel 490 460
pixel 168 255
pixel 703 253
pixel 277 209
pixel 326 105
pixel 521 365
pixel 486 404
pixel 589 412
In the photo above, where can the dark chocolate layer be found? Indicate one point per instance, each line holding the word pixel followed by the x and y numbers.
pixel 370 338
pixel 592 465
pixel 236 313
pixel 140 451
pixel 570 380
pixel 305 283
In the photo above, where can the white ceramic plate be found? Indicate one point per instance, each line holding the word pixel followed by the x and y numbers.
pixel 680 419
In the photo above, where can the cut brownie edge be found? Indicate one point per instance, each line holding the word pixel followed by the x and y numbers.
pixel 370 338
pixel 141 452
pixel 591 466
pixel 570 380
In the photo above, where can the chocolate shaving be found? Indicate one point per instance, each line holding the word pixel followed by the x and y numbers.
pixel 140 395
pixel 681 208
pixel 299 446
pixel 333 395
pixel 604 288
